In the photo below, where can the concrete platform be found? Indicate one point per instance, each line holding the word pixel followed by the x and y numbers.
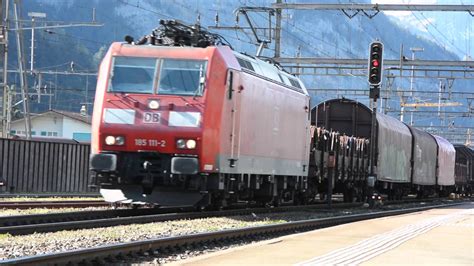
pixel 435 237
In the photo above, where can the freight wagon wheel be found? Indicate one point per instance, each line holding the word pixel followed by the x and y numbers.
pixel 300 199
pixel 217 202
pixel 264 202
pixel 210 202
pixel 277 200
pixel 322 196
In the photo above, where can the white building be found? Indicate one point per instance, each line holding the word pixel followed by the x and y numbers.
pixel 56 124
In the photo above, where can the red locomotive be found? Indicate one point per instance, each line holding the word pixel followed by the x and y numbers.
pixel 179 119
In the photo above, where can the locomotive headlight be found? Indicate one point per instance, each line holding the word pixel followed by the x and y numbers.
pixel 119 140
pixel 114 140
pixel 181 144
pixel 186 144
pixel 110 140
pixel 153 104
pixel 191 144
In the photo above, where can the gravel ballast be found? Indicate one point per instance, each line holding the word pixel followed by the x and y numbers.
pixel 42 243
pixel 49 199
pixel 14 212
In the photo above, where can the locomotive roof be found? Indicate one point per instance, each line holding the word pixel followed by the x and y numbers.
pixel 246 62
pixel 269 70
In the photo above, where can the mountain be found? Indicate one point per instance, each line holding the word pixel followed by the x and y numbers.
pixel 317 33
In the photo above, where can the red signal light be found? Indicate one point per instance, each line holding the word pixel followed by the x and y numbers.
pixel 375 63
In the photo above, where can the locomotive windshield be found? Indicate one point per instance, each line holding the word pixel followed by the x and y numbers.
pixel 133 75
pixel 182 77
pixel 177 76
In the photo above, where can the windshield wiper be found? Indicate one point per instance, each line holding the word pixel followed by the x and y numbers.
pixel 200 88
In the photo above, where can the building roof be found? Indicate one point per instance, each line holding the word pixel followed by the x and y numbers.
pixel 75 116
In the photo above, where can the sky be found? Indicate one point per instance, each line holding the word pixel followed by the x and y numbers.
pixel 452 30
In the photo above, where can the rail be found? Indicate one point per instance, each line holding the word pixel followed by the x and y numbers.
pixel 111 252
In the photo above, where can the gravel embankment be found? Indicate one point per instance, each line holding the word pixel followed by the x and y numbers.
pixel 11 212
pixel 34 244
pixel 28 245
pixel 7 199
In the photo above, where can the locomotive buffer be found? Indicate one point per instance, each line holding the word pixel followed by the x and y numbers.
pixel 375 69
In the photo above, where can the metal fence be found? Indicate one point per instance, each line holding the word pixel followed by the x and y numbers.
pixel 29 166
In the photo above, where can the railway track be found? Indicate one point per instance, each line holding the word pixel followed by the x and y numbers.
pixel 119 252
pixel 53 222
pixel 79 204
pixel 28 224
pixel 52 204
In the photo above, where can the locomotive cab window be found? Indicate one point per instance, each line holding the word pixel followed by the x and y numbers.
pixel 133 75
pixel 182 77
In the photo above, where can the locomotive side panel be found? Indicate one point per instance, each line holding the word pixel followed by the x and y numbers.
pixel 270 130
pixel 216 110
pixel 424 158
pixel 229 148
pixel 394 150
pixel 446 162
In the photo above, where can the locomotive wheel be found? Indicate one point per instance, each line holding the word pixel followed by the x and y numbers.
pixel 217 202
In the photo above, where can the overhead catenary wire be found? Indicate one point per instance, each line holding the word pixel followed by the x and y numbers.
pixel 441 33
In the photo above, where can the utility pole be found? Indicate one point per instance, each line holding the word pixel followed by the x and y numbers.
pixel 21 62
pixel 468 138
pixel 388 92
pixel 5 111
pixel 8 106
pixel 85 105
pixel 439 97
pixel 21 65
pixel 298 54
pixel 278 31
pixel 33 15
pixel 413 50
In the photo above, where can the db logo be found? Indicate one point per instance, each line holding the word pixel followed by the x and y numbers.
pixel 151 118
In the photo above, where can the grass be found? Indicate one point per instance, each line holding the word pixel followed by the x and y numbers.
pixel 4 236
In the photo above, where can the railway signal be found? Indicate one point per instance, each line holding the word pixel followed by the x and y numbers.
pixel 375 79
pixel 375 63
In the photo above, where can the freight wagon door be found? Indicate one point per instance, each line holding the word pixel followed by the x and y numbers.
pixel 234 96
